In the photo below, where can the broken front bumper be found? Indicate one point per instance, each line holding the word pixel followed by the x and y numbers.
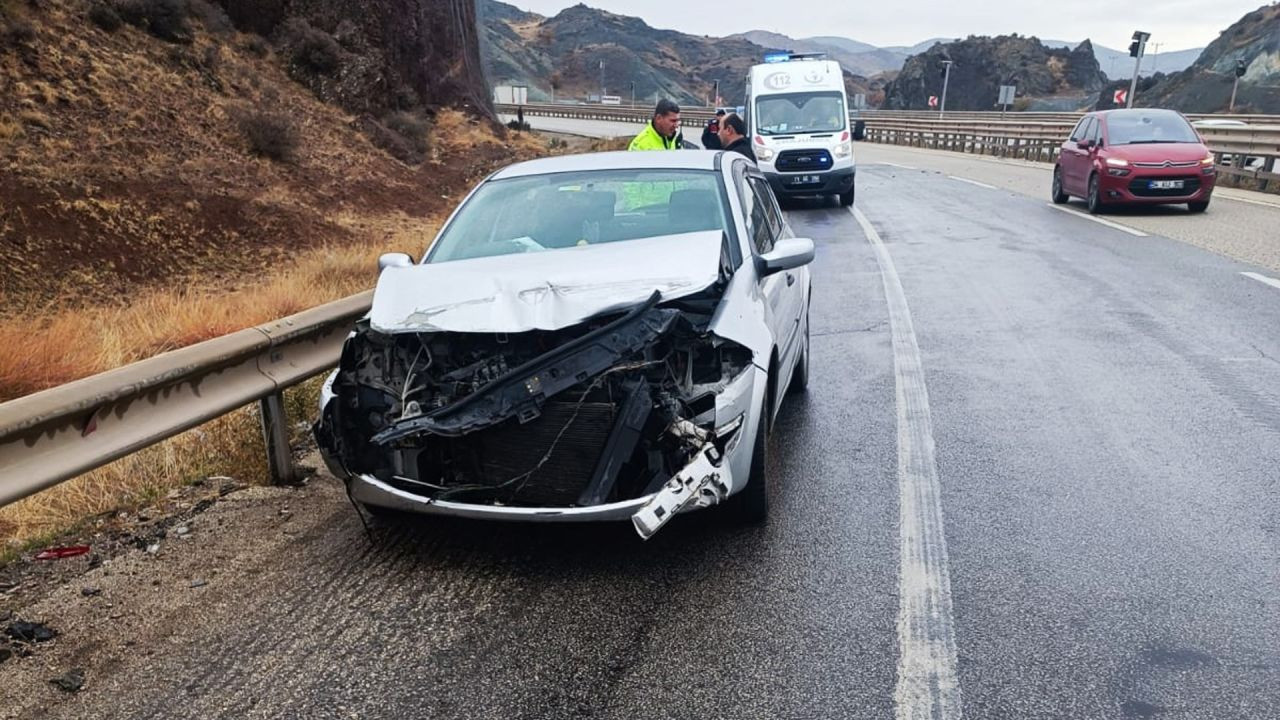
pixel 705 481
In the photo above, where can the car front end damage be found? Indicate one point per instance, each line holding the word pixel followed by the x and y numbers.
pixel 639 413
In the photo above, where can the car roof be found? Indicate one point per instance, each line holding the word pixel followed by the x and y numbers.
pixel 652 160
pixel 1134 111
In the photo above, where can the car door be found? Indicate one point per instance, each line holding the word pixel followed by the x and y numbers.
pixel 1075 159
pixel 797 279
pixel 762 232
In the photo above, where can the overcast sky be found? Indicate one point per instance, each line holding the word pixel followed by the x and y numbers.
pixel 1175 24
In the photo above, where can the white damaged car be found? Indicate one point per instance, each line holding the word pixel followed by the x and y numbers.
pixel 592 337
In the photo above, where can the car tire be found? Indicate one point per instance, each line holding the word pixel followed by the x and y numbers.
pixel 1198 207
pixel 1096 207
pixel 1059 197
pixel 846 198
pixel 800 376
pixel 750 506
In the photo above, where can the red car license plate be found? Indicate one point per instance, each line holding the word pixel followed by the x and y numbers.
pixel 1165 185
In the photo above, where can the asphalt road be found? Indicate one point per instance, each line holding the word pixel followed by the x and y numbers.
pixel 1106 418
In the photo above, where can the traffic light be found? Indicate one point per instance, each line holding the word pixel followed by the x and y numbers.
pixel 1133 49
pixel 1241 65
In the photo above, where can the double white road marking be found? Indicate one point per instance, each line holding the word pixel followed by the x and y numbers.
pixel 928 686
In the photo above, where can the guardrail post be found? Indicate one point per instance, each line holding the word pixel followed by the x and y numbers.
pixel 275 431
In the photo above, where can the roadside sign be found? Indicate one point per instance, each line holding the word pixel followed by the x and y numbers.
pixel 1119 97
pixel 860 101
pixel 1007 93
pixel 933 101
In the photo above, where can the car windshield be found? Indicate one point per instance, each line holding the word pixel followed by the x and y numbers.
pixel 543 213
pixel 800 113
pixel 1140 128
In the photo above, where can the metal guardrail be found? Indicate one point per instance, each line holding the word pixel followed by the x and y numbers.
pixel 54 435
pixel 1251 151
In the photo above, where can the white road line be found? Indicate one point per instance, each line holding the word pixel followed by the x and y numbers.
pixel 1262 279
pixel 1100 221
pixel 972 182
pixel 1251 201
pixel 904 167
pixel 928 686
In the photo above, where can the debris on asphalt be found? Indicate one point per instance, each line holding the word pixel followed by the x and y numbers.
pixel 63 552
pixel 5 653
pixel 70 681
pixel 29 632
pixel 182 531
pixel 90 591
pixel 153 548
pixel 198 583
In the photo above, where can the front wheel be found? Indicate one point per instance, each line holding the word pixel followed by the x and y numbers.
pixel 1095 197
pixel 1059 197
pixel 1198 207
pixel 846 197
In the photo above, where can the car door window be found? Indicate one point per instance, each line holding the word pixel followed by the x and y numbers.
pixel 762 232
pixel 1087 133
pixel 1095 132
pixel 1081 127
pixel 771 212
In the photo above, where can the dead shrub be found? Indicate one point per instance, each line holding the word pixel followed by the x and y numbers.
pixel 270 135
pixel 214 18
pixel 105 17
pixel 18 34
pixel 165 19
pixel 412 127
pixel 257 46
pixel 313 48
pixel 390 142
pixel 256 16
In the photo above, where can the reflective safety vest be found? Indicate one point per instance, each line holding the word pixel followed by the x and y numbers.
pixel 649 139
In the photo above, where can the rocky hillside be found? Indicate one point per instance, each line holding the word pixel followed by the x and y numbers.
pixel 1048 78
pixel 1206 85
pixel 183 143
pixel 566 51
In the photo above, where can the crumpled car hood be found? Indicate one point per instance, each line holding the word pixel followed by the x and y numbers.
pixel 543 290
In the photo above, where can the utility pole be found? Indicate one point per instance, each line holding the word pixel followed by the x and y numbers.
pixel 602 92
pixel 633 93
pixel 946 80
pixel 1136 49
pixel 715 94
pixel 1240 68
pixel 1155 58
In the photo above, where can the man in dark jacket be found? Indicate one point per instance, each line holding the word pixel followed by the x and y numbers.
pixel 733 136
pixel 711 133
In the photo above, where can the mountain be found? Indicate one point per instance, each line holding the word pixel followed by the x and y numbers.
pixel 1206 85
pixel 856 57
pixel 1117 64
pixel 582 51
pixel 1048 78
pixel 918 48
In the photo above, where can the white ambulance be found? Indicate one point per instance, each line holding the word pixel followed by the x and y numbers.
pixel 798 120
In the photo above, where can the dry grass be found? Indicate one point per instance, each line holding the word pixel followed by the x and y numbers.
pixel 76 343
pixel 230 446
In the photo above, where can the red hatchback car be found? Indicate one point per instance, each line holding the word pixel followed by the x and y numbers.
pixel 1139 156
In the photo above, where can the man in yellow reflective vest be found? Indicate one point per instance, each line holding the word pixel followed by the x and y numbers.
pixel 663 132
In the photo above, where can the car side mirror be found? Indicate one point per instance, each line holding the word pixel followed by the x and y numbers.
pixel 1085 144
pixel 786 254
pixel 387 260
